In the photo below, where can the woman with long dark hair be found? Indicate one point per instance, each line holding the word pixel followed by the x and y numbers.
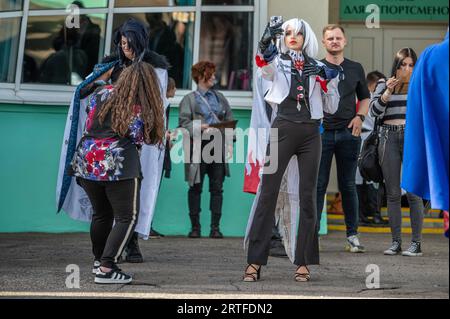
pixel 130 39
pixel 107 164
pixel 388 104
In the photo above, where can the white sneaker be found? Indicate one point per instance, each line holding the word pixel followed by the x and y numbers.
pixel 395 249
pixel 96 266
pixel 353 245
pixel 414 250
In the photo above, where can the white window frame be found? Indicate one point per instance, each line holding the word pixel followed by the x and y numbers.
pixel 22 93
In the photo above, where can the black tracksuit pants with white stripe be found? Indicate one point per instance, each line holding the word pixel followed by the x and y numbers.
pixel 112 201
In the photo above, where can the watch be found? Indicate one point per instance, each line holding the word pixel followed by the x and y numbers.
pixel 362 117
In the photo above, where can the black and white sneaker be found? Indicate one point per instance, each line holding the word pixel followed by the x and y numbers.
pixel 395 249
pixel 96 266
pixel 353 245
pixel 115 276
pixel 414 250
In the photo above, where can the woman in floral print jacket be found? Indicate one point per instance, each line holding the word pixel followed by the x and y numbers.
pixel 107 164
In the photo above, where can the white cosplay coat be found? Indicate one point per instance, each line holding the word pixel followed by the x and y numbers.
pixel 275 80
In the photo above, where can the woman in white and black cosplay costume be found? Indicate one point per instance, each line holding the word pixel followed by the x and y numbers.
pixel 298 93
pixel 70 196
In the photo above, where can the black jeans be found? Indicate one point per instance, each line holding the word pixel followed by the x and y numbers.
pixel 302 140
pixel 112 201
pixel 390 151
pixel 216 174
pixel 346 147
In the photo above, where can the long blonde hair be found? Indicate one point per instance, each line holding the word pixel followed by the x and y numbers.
pixel 138 85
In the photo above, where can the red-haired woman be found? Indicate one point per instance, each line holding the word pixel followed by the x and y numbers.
pixel 207 107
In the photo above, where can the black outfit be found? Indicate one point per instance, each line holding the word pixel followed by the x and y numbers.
pixel 216 175
pixel 337 139
pixel 298 135
pixel 276 243
pixel 353 83
pixel 368 202
pixel 167 164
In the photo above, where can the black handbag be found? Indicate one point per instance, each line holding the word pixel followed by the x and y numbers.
pixel 368 161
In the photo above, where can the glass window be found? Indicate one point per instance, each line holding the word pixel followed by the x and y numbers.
pixel 228 2
pixel 61 55
pixel 171 35
pixel 11 5
pixel 226 39
pixel 62 4
pixel 9 45
pixel 154 3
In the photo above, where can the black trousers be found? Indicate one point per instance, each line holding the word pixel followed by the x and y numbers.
pixel 304 141
pixel 216 174
pixel 112 201
pixel 368 200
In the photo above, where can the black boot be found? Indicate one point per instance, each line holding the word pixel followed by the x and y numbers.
pixel 132 252
pixel 215 229
pixel 277 248
pixel 215 233
pixel 196 229
pixel 378 220
pixel 364 221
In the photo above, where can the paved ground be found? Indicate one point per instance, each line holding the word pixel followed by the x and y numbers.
pixel 35 265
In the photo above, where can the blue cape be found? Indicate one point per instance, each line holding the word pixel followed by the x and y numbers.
pixel 99 69
pixel 425 158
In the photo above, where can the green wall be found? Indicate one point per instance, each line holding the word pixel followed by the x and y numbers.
pixel 31 138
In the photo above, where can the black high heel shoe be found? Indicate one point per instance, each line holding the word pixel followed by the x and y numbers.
pixel 252 276
pixel 302 277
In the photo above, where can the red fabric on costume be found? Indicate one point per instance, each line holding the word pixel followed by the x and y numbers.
pixel 260 62
pixel 323 83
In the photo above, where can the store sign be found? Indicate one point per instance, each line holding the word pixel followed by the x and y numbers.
pixel 395 10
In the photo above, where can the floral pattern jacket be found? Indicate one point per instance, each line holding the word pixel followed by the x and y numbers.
pixel 103 155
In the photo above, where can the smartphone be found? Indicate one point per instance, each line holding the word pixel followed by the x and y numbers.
pixel 276 21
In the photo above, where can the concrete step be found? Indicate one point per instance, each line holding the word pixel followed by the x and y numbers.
pixel 386 230
pixel 431 225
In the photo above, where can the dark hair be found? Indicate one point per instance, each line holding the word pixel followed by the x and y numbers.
pixel 332 27
pixel 203 69
pixel 151 57
pixel 171 84
pixel 137 36
pixel 401 56
pixel 375 76
pixel 79 4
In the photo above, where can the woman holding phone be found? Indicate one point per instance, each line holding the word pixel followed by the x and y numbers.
pixel 297 84
pixel 388 104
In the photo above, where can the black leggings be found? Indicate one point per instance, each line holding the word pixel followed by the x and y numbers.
pixel 112 201
pixel 304 141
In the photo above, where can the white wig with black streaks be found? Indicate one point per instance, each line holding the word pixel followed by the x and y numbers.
pixel 310 45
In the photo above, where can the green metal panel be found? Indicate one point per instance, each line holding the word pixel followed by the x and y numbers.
pixel 396 10
pixel 31 141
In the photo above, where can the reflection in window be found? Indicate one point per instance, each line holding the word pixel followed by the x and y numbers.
pixel 9 44
pixel 62 55
pixel 62 4
pixel 171 35
pixel 11 5
pixel 228 2
pixel 153 3
pixel 226 40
